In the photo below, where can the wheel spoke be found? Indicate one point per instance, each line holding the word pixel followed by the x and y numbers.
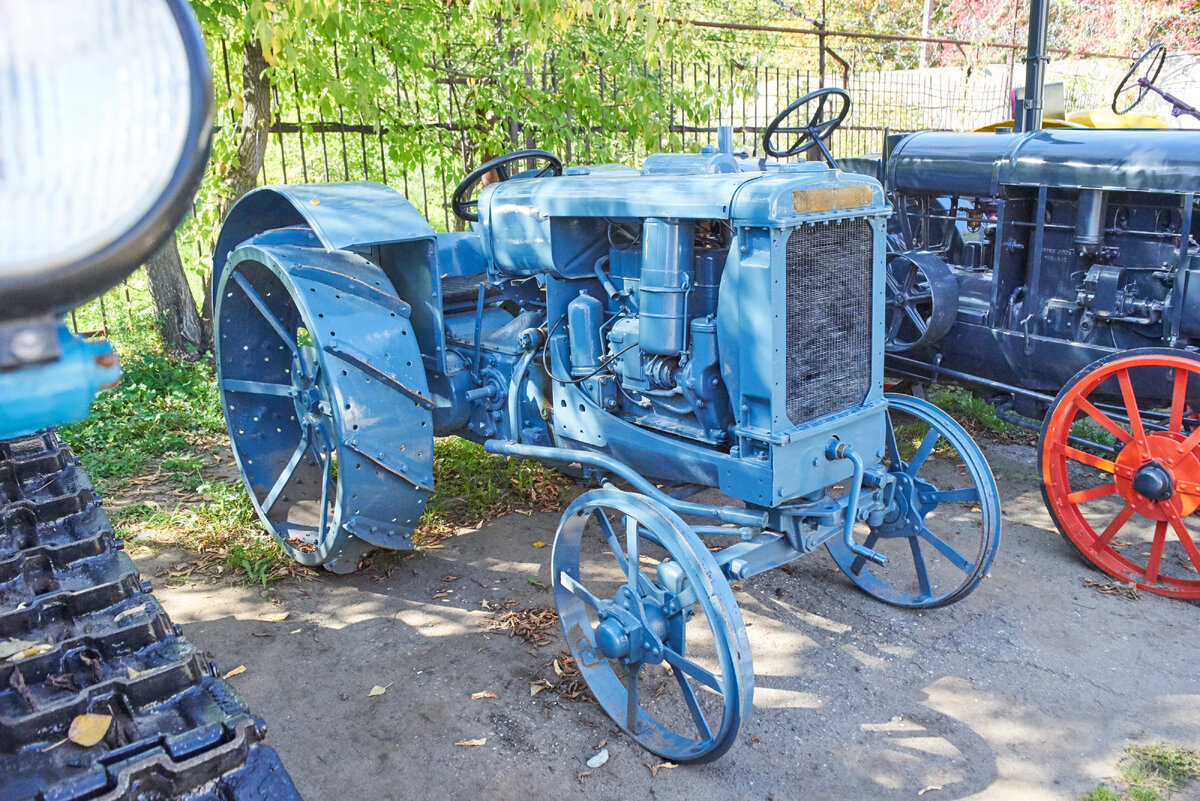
pixel 288 470
pixel 911 311
pixel 631 695
pixel 927 442
pixel 1186 447
pixel 267 314
pixel 1178 400
pixel 891 282
pixel 1111 530
pixel 326 472
pixel 614 544
pixel 693 705
pixel 1087 458
pixel 919 563
pixel 961 495
pixel 256 387
pixel 1185 539
pixel 633 568
pixel 572 585
pixel 1093 493
pixel 894 324
pixel 910 279
pixel 1156 552
pixel 1131 409
pixel 892 451
pixel 947 550
pixel 857 565
pixel 705 677
pixel 1088 408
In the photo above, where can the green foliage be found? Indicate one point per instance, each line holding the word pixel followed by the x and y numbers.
pixel 471 485
pixel 1102 793
pixel 1150 773
pixel 972 412
pixel 156 411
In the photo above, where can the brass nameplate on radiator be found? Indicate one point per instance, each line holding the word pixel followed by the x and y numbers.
pixel 806 201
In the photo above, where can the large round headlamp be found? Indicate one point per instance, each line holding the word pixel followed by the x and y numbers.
pixel 105 126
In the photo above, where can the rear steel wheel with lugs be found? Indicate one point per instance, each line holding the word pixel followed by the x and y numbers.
pixel 652 625
pixel 1120 462
pixel 325 398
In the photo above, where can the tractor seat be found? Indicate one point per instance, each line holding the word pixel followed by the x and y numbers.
pixel 463 290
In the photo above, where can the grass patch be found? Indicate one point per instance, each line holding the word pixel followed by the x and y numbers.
pixel 1150 773
pixel 972 412
pixel 471 485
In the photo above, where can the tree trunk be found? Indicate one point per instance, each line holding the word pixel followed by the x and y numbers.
pixel 182 330
pixel 252 129
pixel 185 331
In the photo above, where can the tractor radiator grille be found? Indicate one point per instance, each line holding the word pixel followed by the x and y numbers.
pixel 828 318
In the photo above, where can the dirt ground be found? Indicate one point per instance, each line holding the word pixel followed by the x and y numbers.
pixel 1029 689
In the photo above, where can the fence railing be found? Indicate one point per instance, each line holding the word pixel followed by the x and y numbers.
pixel 970 88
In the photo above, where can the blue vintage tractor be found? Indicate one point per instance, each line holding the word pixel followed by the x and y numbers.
pixel 684 327
pixel 1052 271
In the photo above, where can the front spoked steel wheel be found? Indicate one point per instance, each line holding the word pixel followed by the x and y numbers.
pixel 652 624
pixel 326 401
pixel 1121 468
pixel 941 529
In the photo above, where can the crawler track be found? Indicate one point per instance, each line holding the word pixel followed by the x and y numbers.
pixel 100 643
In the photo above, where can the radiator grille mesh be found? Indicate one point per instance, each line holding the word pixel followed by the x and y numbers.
pixel 828 318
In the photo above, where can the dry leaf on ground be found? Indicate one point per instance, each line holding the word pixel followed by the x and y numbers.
pixel 484 694
pixel 237 671
pixel 479 741
pixel 379 689
pixel 276 617
pixel 654 769
pixel 89 729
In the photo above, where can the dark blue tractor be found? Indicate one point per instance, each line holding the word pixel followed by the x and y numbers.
pixel 1057 273
pixel 702 323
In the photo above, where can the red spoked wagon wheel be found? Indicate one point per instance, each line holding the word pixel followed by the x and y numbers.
pixel 1120 462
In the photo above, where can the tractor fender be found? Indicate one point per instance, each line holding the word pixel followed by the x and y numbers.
pixel 341 215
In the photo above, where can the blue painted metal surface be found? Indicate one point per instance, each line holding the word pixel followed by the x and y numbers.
pixel 641 324
pixel 59 392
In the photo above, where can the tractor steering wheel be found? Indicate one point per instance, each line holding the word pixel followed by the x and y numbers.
pixel 1152 60
pixel 814 131
pixel 469 209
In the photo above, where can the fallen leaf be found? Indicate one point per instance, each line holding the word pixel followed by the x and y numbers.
pixel 558 671
pixel 539 544
pixel 295 631
pixel 929 789
pixel 276 617
pixel 10 648
pixel 89 729
pixel 654 769
pixel 735 586
pixel 449 577
pixel 432 547
pixel 599 759
pixel 537 686
pixel 34 651
pixel 583 775
pixel 133 674
pixel 479 741
pixel 52 746
pixel 237 671
pixel 602 743
pixel 442 594
pixel 484 694
pixel 379 689
pixel 753 740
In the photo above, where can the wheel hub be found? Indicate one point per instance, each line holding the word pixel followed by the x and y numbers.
pixel 631 629
pixel 1153 481
pixel 1151 477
